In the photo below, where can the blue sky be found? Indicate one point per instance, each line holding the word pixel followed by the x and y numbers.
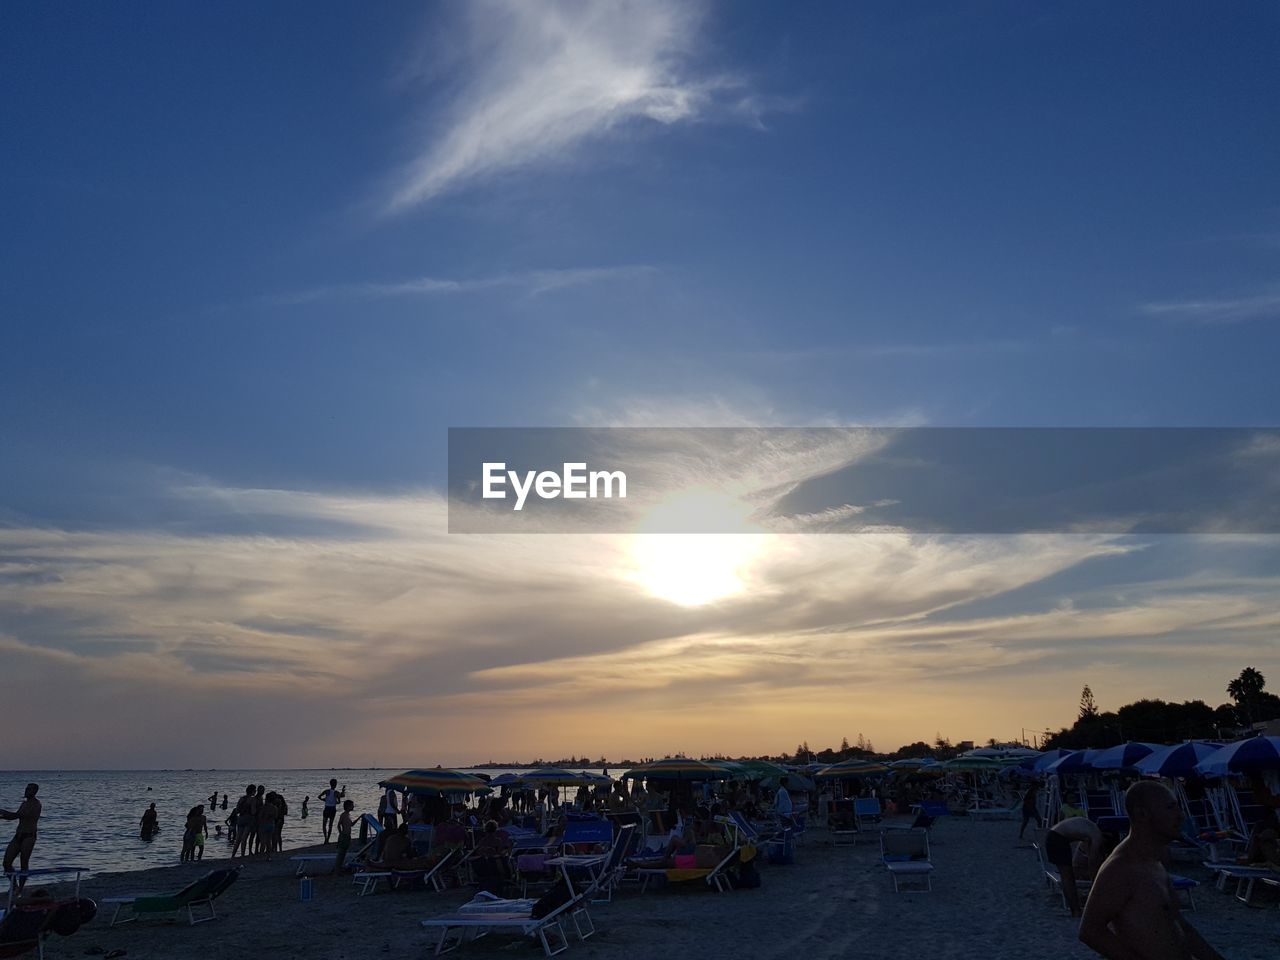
pixel 257 259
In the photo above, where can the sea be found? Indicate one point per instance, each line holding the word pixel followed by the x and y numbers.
pixel 90 818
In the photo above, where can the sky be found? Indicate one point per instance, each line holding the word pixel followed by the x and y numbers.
pixel 257 260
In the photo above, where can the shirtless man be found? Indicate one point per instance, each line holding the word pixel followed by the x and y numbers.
pixel 24 838
pixel 1132 913
pixel 1057 850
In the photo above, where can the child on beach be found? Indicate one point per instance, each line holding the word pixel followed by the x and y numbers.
pixel 344 835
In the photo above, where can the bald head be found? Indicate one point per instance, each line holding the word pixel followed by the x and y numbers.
pixel 1145 796
pixel 1154 812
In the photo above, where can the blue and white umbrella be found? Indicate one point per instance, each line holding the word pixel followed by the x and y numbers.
pixel 1079 762
pixel 1042 762
pixel 1243 756
pixel 1178 760
pixel 1122 756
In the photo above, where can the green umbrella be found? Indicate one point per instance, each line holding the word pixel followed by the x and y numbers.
pixel 677 768
pixel 555 777
pixel 759 769
pixel 436 783
pixel 853 767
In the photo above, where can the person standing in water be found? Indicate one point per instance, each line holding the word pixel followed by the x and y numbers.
pixel 148 826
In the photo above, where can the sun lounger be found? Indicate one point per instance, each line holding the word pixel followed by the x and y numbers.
pixel 715 877
pixel 905 853
pixel 1246 877
pixel 486 914
pixel 367 880
pixel 1013 812
pixel 200 893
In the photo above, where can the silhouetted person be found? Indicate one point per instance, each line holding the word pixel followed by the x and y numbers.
pixel 149 823
pixel 24 839
pixel 1132 913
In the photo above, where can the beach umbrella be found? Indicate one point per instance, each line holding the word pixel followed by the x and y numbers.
pixel 1122 756
pixel 912 763
pixel 506 780
pixel 734 768
pixel 435 783
pixel 759 769
pixel 973 764
pixel 1178 760
pixel 595 778
pixel 1079 762
pixel 853 767
pixel 1041 763
pixel 555 777
pixel 795 781
pixel 1244 756
pixel 677 768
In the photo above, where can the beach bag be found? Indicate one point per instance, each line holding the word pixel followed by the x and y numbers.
pixel 552 900
pixel 748 876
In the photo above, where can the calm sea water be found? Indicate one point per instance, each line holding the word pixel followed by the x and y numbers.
pixel 90 818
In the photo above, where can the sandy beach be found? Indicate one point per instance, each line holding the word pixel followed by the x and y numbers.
pixel 836 901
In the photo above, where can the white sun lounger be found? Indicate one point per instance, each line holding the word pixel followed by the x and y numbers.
pixel 488 914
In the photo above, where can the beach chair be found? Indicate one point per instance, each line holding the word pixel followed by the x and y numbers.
pixel 716 877
pixel 905 853
pixel 26 927
pixel 373 830
pixel 867 811
pixel 1246 877
pixel 200 893
pixel 604 871
pixel 1053 879
pixel 585 835
pixel 486 914
pixel 368 879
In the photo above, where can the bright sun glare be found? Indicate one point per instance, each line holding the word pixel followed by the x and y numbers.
pixel 692 569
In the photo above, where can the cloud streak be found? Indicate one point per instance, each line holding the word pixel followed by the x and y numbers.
pixel 542 79
pixel 1218 312
pixel 533 282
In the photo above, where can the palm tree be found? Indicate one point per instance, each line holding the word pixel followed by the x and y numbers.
pixel 1245 688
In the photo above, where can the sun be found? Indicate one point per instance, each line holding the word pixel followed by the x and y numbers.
pixel 695 569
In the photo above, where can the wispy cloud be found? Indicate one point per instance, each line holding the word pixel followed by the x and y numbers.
pixel 1264 306
pixel 533 282
pixel 541 79
pixel 367 606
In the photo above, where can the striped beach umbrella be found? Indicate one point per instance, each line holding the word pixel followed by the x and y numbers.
pixel 1079 762
pixel 1042 763
pixel 1123 756
pixel 555 777
pixel 1178 760
pixel 913 763
pixel 435 783
pixel 1244 756
pixel 677 768
pixel 853 767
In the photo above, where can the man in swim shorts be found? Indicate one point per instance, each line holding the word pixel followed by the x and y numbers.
pixel 330 798
pixel 1057 850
